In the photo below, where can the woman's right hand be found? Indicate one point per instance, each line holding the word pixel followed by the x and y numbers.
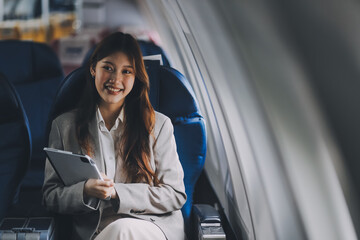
pixel 99 188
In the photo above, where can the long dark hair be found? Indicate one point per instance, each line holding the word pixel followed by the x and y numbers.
pixel 139 115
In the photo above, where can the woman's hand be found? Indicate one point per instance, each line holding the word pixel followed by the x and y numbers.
pixel 100 188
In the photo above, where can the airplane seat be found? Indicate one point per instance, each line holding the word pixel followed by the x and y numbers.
pixel 172 95
pixel 36 72
pixel 15 145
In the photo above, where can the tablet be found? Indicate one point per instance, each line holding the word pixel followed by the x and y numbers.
pixel 72 168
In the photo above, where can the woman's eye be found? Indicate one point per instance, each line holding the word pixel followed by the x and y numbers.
pixel 127 71
pixel 107 68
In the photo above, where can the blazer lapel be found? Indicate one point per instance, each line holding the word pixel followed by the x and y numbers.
pixel 98 158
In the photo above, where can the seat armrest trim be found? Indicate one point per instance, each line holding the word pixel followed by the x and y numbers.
pixel 206 213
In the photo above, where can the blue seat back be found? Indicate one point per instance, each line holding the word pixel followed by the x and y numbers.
pixel 170 94
pixel 36 72
pixel 15 144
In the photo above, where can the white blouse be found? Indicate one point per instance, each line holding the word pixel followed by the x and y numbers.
pixel 112 160
pixel 107 140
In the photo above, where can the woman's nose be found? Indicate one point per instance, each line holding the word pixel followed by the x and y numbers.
pixel 118 77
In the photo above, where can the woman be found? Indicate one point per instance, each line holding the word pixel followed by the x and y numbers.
pixel 131 144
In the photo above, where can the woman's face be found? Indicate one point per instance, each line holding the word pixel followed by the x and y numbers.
pixel 114 79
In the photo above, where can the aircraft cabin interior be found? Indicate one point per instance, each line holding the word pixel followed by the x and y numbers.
pixel 262 95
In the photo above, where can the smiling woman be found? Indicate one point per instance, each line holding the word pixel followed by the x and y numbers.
pixel 133 146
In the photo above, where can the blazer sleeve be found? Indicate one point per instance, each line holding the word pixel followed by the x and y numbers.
pixel 56 196
pixel 142 198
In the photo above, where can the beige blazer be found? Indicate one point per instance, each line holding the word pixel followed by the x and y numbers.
pixel 160 205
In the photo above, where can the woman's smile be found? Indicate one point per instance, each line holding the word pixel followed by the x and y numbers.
pixel 113 90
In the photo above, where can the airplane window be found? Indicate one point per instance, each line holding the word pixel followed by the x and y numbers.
pixel 26 9
pixel 8 5
pixel 264 99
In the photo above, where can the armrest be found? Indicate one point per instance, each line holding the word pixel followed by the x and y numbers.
pixel 27 228
pixel 208 222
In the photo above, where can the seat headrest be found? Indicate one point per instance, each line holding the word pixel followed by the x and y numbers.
pixel 170 92
pixel 20 64
pixel 177 99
